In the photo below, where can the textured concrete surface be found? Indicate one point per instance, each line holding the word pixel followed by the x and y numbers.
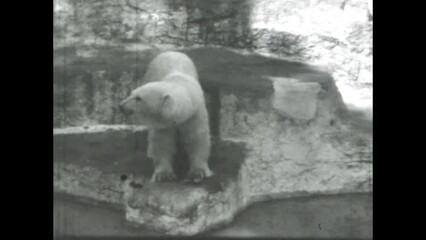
pixel 184 209
pixel 333 33
pixel 293 156
pixel 336 216
pixel 112 167
pixel 87 90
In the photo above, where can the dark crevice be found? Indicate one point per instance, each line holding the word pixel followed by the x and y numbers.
pixel 214 114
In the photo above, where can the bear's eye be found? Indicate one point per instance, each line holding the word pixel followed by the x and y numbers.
pixel 138 99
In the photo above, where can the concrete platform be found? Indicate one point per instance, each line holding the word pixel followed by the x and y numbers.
pixel 347 216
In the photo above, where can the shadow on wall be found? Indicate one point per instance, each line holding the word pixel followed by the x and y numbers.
pixel 221 22
pixel 176 22
pixel 229 23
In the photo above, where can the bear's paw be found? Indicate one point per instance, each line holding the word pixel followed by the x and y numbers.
pixel 197 174
pixel 163 176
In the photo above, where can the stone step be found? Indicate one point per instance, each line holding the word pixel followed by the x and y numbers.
pixel 109 164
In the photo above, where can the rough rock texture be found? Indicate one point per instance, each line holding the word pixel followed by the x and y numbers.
pixel 334 33
pixel 185 209
pixel 287 157
pixel 89 87
pixel 112 166
pixel 90 82
pixel 88 183
pixel 94 162
pixel 109 164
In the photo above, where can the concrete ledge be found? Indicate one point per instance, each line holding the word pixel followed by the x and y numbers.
pixel 111 166
pixel 96 129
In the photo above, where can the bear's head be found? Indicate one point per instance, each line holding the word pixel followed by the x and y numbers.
pixel 153 105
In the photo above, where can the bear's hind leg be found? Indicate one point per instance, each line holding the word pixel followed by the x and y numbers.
pixel 162 149
pixel 197 145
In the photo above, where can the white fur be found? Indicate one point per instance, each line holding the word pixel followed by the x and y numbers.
pixel 171 100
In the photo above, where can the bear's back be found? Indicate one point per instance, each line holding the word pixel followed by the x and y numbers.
pixel 168 62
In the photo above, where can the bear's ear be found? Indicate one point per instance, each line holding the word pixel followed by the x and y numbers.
pixel 167 99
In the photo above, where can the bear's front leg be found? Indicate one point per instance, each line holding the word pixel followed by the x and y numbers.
pixel 162 148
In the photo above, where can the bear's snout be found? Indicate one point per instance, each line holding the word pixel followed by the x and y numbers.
pixel 124 110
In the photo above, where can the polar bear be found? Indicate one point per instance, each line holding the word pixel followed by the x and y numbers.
pixel 171 103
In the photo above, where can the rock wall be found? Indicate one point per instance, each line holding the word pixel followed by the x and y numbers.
pixel 89 82
pixel 289 155
pixel 333 33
